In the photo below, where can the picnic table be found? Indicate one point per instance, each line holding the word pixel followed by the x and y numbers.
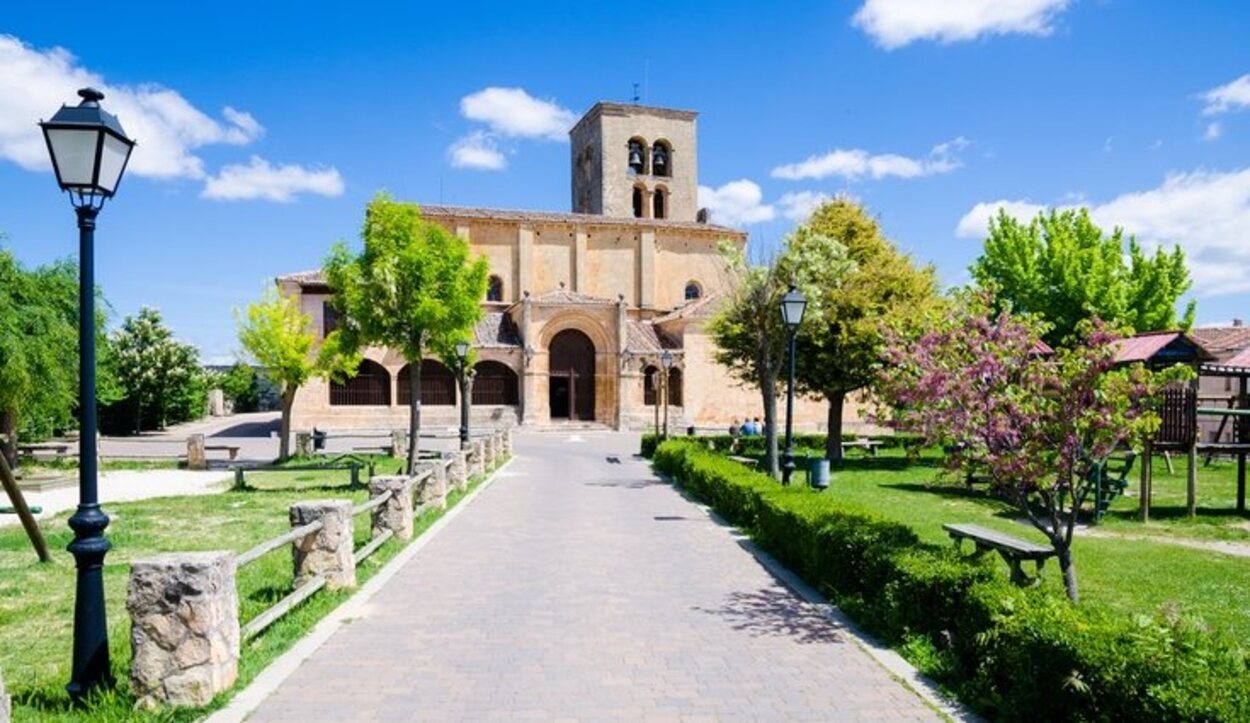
pixel 1013 550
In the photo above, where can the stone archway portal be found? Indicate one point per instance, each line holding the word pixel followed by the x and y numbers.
pixel 571 376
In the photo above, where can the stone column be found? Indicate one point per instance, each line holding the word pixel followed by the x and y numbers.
pixel 303 444
pixel 399 442
pixel 396 513
pixel 184 635
pixel 434 488
pixel 327 551
pixel 197 458
pixel 459 469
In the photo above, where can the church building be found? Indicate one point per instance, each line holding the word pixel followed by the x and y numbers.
pixel 583 309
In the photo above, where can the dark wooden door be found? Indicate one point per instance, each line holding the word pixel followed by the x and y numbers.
pixel 572 356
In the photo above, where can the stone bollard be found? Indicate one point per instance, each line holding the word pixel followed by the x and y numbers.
pixel 433 489
pixel 6 705
pixel 303 444
pixel 197 457
pixel 399 443
pixel 396 513
pixel 488 452
pixel 327 551
pixel 507 441
pixel 184 634
pixel 459 469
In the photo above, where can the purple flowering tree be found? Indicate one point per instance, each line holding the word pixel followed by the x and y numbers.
pixel 1034 422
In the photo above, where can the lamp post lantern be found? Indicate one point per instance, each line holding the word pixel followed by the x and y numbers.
pixel 89 153
pixel 462 358
pixel 666 363
pixel 793 304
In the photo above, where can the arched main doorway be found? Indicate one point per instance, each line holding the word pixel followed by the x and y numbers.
pixel 571 382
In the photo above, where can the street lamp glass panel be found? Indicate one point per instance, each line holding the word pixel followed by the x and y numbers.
pixel 462 350
pixel 73 155
pixel 112 162
pixel 666 358
pixel 793 304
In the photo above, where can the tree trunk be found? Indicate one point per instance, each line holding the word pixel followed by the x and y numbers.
pixel 833 435
pixel 414 409
pixel 284 429
pixel 1068 568
pixel 768 390
pixel 8 428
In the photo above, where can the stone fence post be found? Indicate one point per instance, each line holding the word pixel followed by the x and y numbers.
pixel 488 452
pixel 6 706
pixel 507 441
pixel 396 513
pixel 399 443
pixel 184 635
pixel 327 551
pixel 197 458
pixel 459 469
pixel 434 488
pixel 303 444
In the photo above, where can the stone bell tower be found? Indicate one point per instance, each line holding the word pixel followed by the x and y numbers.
pixel 635 161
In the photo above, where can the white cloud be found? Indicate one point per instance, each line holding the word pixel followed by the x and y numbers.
pixel 514 113
pixel 976 223
pixel 260 180
pixel 895 23
pixel 798 206
pixel 855 164
pixel 736 203
pixel 1206 212
pixel 477 150
pixel 1232 96
pixel 1214 130
pixel 34 83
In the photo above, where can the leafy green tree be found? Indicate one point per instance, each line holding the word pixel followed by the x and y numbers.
pixel 1064 268
pixel 856 282
pixel 157 372
pixel 280 338
pixel 412 288
pixel 750 337
pixel 240 385
pixel 38 349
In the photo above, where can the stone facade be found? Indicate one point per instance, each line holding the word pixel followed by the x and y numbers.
pixel 327 551
pixel 625 289
pixel 184 612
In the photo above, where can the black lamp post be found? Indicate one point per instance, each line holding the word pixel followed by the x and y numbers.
pixel 666 363
pixel 89 152
pixel 462 356
pixel 792 307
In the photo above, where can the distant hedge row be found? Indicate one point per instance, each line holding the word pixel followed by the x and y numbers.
pixel 754 445
pixel 1010 653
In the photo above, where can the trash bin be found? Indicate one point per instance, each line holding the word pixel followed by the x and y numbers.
pixel 319 439
pixel 690 431
pixel 818 473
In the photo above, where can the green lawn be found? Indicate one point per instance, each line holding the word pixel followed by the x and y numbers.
pixel 1127 575
pixel 36 601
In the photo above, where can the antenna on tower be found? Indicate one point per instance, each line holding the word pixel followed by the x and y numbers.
pixel 636 94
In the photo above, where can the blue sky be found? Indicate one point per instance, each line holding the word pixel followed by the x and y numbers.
pixel 264 128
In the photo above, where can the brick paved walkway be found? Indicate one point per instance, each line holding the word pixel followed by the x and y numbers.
pixel 576 588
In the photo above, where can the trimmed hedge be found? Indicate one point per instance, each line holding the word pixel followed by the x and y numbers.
pixel 754 445
pixel 1011 653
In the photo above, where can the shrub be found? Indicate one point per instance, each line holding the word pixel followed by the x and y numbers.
pixel 1013 654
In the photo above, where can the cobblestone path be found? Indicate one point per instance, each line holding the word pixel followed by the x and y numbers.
pixel 579 587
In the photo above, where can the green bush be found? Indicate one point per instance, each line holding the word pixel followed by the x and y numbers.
pixel 1013 654
pixel 754 446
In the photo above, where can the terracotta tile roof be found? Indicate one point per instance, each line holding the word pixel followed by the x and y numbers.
pixel 1240 359
pixel 1222 341
pixel 496 330
pixel 642 337
pixel 585 219
pixel 564 296
pixel 305 278
pixel 1146 346
pixel 697 309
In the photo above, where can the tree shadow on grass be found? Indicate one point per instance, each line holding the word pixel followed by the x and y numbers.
pixel 774 611
pixel 1160 513
pixel 981 497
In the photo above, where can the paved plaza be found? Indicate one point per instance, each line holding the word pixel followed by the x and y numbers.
pixel 580 587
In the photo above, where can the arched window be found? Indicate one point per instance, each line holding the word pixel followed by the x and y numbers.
pixel 494 289
pixel 637 156
pixel 438 384
pixel 494 384
pixel 658 202
pixel 674 387
pixel 370 387
pixel 650 380
pixel 638 201
pixel 693 291
pixel 661 159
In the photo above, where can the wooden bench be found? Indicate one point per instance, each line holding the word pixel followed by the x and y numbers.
pixel 31 450
pixel 868 445
pixel 748 461
pixel 229 449
pixel 385 449
pixel 1012 549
